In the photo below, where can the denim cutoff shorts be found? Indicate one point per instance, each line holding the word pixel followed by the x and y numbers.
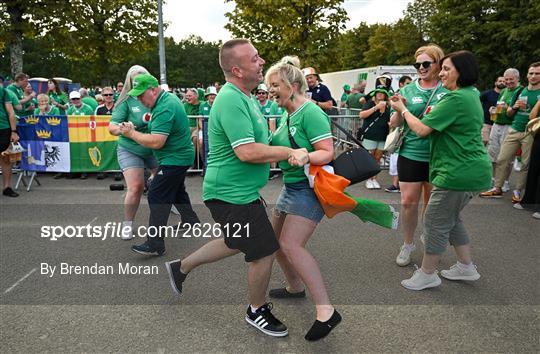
pixel 128 159
pixel 299 199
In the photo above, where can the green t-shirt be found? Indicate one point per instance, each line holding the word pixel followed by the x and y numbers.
pixel 91 102
pixel 204 109
pixel 169 118
pixel 26 107
pixel 353 100
pixel 308 125
pixel 192 110
pixel 4 99
pixel 344 97
pixel 19 93
pixel 270 108
pixel 234 120
pixel 521 118
pixel 413 146
pixel 83 110
pixel 12 98
pixel 458 157
pixel 506 96
pixel 131 110
pixel 60 98
pixel 53 111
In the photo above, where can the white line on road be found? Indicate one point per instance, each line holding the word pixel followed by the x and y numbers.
pixel 20 281
pixel 90 223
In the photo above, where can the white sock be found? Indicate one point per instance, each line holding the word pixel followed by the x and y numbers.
pixel 127 223
pixel 253 309
pixel 465 266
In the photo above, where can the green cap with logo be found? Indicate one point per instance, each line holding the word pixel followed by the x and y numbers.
pixel 141 83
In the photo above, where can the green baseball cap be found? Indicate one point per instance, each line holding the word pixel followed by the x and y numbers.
pixel 141 83
pixel 346 87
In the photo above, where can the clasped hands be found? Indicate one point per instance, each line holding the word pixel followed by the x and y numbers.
pixel 398 102
pixel 298 157
pixel 127 129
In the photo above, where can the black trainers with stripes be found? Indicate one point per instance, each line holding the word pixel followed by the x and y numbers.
pixel 265 322
pixel 176 277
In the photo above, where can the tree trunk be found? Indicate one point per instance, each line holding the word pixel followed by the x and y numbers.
pixel 16 54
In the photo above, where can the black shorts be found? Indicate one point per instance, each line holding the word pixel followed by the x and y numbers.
pixel 412 170
pixel 5 139
pixel 245 227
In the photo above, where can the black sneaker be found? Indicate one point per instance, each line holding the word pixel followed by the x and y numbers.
pixel 84 175
pixel 8 192
pixel 175 275
pixel 265 322
pixel 117 176
pixel 101 175
pixel 148 250
pixel 283 293
pixel 392 189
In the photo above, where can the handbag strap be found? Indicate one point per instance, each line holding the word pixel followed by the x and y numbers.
pixel 371 124
pixel 429 101
pixel 347 134
pixel 294 145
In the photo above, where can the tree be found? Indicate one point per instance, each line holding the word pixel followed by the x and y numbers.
pixel 289 27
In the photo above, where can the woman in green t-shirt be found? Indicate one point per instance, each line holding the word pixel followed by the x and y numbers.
pixel 298 210
pixel 458 168
pixel 58 98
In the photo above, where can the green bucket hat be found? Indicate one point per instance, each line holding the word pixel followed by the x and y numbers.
pixel 141 83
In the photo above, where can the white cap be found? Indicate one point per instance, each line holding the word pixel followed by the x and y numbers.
pixel 74 94
pixel 211 90
pixel 262 87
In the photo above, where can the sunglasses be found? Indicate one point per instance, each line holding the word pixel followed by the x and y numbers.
pixel 425 65
pixel 75 99
pixel 107 94
pixel 261 93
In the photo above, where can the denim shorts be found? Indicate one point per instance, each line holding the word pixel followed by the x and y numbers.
pixel 299 199
pixel 373 144
pixel 128 159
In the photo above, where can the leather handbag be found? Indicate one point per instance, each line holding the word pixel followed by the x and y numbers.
pixel 533 127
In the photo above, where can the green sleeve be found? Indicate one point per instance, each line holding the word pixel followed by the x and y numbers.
pixel 443 114
pixel 13 98
pixel 317 127
pixel 236 123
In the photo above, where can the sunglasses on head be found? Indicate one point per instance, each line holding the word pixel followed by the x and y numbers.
pixel 425 64
pixel 107 94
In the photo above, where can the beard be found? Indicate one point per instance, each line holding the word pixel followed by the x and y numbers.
pixel 501 86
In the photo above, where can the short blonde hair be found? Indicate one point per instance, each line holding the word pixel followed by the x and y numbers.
pixel 43 97
pixel 433 50
pixel 288 70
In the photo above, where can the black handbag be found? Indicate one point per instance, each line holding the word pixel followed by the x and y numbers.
pixel 356 164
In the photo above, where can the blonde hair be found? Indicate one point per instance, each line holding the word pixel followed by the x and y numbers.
pixel 433 50
pixel 288 70
pixel 132 72
pixel 42 96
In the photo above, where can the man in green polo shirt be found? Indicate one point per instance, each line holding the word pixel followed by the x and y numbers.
pixel 17 88
pixel 238 167
pixel 8 134
pixel 77 107
pixel 168 136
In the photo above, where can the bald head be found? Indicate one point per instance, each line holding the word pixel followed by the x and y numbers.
pixel 227 55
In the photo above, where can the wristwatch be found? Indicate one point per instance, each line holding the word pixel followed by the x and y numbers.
pixel 14 131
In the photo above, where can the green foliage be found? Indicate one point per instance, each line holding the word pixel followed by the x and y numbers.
pixel 289 27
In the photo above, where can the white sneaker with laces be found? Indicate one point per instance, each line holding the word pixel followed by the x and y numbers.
pixel 517 165
pixel 458 272
pixel 404 256
pixel 506 187
pixel 536 215
pixel 421 280
pixel 369 184
pixel 127 231
pixel 375 184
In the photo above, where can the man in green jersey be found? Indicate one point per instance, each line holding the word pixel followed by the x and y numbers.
pixel 192 107
pixel 77 107
pixel 8 134
pixel 169 138
pixel 17 88
pixel 520 107
pixel 238 167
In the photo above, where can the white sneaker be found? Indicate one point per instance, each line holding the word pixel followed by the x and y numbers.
pixel 536 215
pixel 458 272
pixel 421 281
pixel 518 206
pixel 375 184
pixel 506 187
pixel 174 210
pixel 517 165
pixel 127 231
pixel 404 256
pixel 369 184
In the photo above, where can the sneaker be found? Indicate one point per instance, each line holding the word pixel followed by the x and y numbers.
pixel 265 322
pixel 176 277
pixel 392 189
pixel 517 165
pixel 421 281
pixel 404 256
pixel 101 175
pixel 518 206
pixel 536 215
pixel 8 192
pixel 375 184
pixel 127 231
pixel 492 193
pixel 516 196
pixel 283 293
pixel 117 176
pixel 369 184
pixel 148 250
pixel 84 175
pixel 174 210
pixel 458 272
pixel 506 187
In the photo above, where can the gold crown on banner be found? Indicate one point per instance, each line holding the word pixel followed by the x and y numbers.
pixel 53 120
pixel 31 120
pixel 43 134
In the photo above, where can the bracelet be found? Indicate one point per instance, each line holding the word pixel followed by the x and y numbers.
pixel 14 131
pixel 403 112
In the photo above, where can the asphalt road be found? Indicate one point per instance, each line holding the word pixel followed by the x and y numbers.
pixel 140 313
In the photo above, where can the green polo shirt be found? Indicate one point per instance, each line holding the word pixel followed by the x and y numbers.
pixel 413 146
pixel 91 102
pixel 53 111
pixel 458 157
pixel 83 110
pixel 4 99
pixel 353 100
pixel 132 110
pixel 204 109
pixel 60 98
pixel 234 120
pixel 521 118
pixel 308 125
pixel 19 93
pixel 192 110
pixel 506 96
pixel 169 118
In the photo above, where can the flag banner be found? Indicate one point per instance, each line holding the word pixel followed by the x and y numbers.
pixel 67 144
